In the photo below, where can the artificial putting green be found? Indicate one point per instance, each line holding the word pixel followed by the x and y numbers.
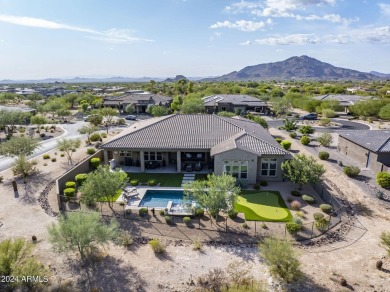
pixel 263 206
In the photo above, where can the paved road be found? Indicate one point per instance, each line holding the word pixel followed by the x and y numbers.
pixel 47 145
pixel 347 125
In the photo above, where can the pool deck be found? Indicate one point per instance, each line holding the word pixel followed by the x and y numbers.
pixel 133 203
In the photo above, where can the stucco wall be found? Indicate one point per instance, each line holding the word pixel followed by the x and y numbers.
pixel 237 154
pixel 279 172
pixel 354 151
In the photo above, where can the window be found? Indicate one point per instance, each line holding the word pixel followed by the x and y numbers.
pixel 237 169
pixel 153 156
pixel 268 166
pixel 125 153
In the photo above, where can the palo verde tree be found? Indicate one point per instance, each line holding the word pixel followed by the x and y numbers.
pixel 302 170
pixel 88 130
pixel 68 146
pixel 82 233
pixel 21 166
pixel 38 120
pixel 9 119
pixel 17 146
pixel 108 114
pixel 217 193
pixel 102 185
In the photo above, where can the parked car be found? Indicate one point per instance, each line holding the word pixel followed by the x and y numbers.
pixel 131 117
pixel 311 116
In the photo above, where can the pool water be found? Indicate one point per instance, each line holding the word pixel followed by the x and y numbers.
pixel 160 198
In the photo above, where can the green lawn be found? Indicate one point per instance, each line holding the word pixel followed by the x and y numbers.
pixel 164 179
pixel 263 206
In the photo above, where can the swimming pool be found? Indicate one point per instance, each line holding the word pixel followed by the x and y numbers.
pixel 160 198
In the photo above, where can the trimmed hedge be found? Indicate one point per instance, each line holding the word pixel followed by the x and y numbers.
pixel 134 182
pixel 152 182
pixel 91 151
pixel 293 227
pixel 279 140
pixel 318 216
pixel 46 156
pixel 69 192
pixel 143 211
pixel 305 140
pixel 94 137
pixel 383 179
pixel 285 144
pixel 326 208
pixel 323 155
pixel 351 171
pixel 308 199
pixel 70 184
pixel 293 135
pixel 186 220
pixel 168 219
pixel 95 162
pixel 81 178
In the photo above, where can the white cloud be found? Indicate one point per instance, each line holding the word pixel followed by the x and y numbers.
pixel 247 43
pixel 364 35
pixel 243 25
pixel 112 35
pixel 385 8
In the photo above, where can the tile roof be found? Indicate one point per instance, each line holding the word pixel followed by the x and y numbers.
pixel 374 140
pixel 135 97
pixel 344 99
pixel 207 132
pixel 236 99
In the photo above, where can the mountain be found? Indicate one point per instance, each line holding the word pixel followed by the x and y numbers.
pixel 177 78
pixel 378 74
pixel 83 80
pixel 299 68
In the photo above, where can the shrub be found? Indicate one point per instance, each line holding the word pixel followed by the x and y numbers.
pixel 286 144
pixel 325 139
pixel 62 155
pixel 380 195
pixel 197 245
pixel 343 282
pixel 263 183
pixel 324 122
pixel 305 140
pixel 321 224
pixel 121 122
pixel 199 212
pixel 296 193
pixel 279 140
pixel 46 156
pixel 157 246
pixel 383 179
pixel 134 182
pixel 94 137
pixel 295 205
pixel 168 219
pixel 293 135
pixel 162 212
pixel 326 208
pixel 323 155
pixel 308 199
pixel 69 192
pixel 318 216
pixel 351 171
pixel 91 151
pixel 264 226
pixel 152 182
pixel 306 130
pixel 54 159
pixel 232 213
pixel 300 214
pixel 103 135
pixel 187 220
pixel 245 225
pixel 328 113
pixel 70 184
pixel 143 211
pixel 95 162
pixel 80 178
pixel 293 227
pixel 125 238
pixel 256 187
pixel 34 239
pixel 385 241
pixel 379 264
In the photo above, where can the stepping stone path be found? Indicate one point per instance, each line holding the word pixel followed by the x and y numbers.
pixel 188 177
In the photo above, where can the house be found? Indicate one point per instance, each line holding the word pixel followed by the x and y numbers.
pixel 181 143
pixel 140 101
pixel 369 148
pixel 345 100
pixel 233 102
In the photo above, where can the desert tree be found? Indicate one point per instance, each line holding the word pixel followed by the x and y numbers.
pixel 108 114
pixel 82 233
pixel 38 120
pixel 17 146
pixel 88 130
pixel 21 166
pixel 68 146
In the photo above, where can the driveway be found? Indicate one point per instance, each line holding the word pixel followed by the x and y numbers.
pixel 347 125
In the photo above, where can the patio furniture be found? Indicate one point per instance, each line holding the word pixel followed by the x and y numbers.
pixel 198 166
pixel 128 196
pixel 188 167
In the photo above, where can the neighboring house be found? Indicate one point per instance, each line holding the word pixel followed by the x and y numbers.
pixel 140 101
pixel 370 148
pixel 233 102
pixel 181 143
pixel 345 100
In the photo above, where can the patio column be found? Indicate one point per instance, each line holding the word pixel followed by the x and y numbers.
pixel 178 161
pixel 142 160
pixel 105 155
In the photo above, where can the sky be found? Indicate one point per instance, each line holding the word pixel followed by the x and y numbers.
pixel 163 38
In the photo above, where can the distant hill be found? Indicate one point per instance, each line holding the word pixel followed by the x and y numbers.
pixel 177 78
pixel 299 68
pixel 83 80
pixel 378 74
